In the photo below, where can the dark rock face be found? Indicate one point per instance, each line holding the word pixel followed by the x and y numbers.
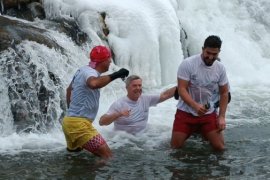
pixel 71 29
pixel 34 103
pixel 23 9
pixel 183 40
pixel 7 4
pixel 37 97
pixel 13 32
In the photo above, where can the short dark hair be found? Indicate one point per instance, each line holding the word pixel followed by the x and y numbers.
pixel 131 78
pixel 212 42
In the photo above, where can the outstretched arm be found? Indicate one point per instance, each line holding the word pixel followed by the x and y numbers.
pixel 99 82
pixel 167 94
pixel 107 119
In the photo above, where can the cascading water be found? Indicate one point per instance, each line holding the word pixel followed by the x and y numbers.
pixel 145 37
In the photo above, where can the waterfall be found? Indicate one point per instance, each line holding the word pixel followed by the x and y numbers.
pixel 2 7
pixel 145 37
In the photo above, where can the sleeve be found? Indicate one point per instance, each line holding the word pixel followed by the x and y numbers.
pixel 183 71
pixel 223 77
pixel 90 73
pixel 151 100
pixel 114 108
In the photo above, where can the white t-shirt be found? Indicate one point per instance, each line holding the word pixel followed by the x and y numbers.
pixel 203 81
pixel 137 120
pixel 84 100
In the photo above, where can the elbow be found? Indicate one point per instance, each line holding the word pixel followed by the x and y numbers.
pixel 101 123
pixel 161 99
pixel 93 85
pixel 182 92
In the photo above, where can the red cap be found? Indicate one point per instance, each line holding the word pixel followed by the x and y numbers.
pixel 99 54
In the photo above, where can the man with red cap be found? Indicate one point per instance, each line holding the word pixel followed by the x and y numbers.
pixel 83 103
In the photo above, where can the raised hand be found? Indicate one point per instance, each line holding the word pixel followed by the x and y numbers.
pixel 122 73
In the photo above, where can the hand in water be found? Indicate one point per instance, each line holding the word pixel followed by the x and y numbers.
pixel 221 123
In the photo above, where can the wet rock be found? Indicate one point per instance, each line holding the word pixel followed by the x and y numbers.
pixel 71 29
pixel 20 111
pixel 43 97
pixel 22 13
pixel 16 3
pixel 34 94
pixel 28 10
pixel 183 40
pixel 14 32
pixel 105 28
pixel 37 10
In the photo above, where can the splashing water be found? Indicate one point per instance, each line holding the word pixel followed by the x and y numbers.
pixel 145 37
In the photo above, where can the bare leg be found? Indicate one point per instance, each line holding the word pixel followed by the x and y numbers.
pixel 98 147
pixel 178 139
pixel 216 139
pixel 103 151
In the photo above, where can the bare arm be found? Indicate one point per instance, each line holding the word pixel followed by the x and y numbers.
pixel 98 82
pixel 107 119
pixel 101 81
pixel 68 94
pixel 223 90
pixel 183 92
pixel 167 94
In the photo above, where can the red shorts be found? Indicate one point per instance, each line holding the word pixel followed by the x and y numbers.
pixel 187 123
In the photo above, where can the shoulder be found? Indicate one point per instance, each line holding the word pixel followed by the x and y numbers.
pixel 119 101
pixel 117 104
pixel 149 97
pixel 219 66
pixel 195 57
pixel 89 72
pixel 145 96
pixel 190 61
pixel 190 64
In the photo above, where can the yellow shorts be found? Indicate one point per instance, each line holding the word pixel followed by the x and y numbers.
pixel 78 131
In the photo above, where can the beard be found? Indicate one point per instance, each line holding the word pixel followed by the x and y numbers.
pixel 208 62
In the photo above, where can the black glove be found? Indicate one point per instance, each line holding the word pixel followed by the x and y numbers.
pixel 216 105
pixel 122 73
pixel 176 95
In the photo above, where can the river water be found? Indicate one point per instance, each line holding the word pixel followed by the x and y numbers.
pixel 243 27
pixel 148 156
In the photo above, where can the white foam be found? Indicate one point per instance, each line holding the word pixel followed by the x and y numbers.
pixel 145 36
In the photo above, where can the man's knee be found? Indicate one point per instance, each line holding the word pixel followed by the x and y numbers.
pixel 218 146
pixel 176 145
pixel 104 151
pixel 216 140
pixel 178 139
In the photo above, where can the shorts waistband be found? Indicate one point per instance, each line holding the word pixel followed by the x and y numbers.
pixel 179 110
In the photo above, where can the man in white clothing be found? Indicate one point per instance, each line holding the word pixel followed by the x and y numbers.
pixel 130 113
pixel 200 79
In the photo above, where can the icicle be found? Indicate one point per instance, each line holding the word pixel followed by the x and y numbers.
pixel 19 5
pixel 2 7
